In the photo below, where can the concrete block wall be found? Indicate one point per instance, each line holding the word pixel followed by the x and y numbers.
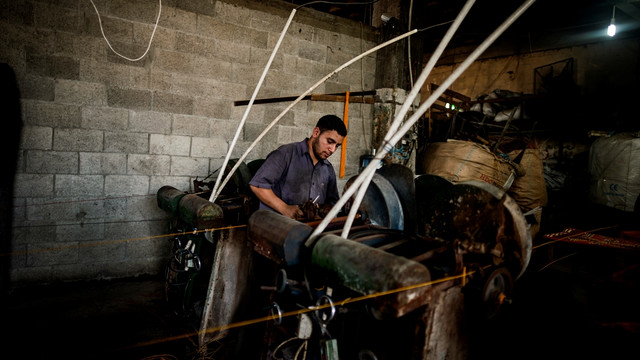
pixel 101 134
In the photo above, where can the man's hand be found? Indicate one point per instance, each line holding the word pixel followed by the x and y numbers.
pixel 292 211
pixel 268 197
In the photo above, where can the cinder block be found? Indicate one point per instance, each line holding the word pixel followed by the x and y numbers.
pixel 312 51
pixel 302 83
pixel 36 137
pixel 129 98
pixel 190 43
pixel 150 122
pixel 126 142
pixel 207 68
pixel 256 115
pixel 240 148
pixel 77 140
pixel 182 183
pixel 51 253
pixel 191 125
pixel 226 129
pixel 104 118
pixel 81 232
pixel 33 185
pixel 233 13
pixel 284 135
pixel 172 103
pixel 268 22
pixel 311 68
pixel 55 17
pixel 37 88
pixel 177 18
pixel 353 45
pixel 272 112
pixel 144 208
pixel 277 79
pixel 213 108
pixel 212 27
pixel 204 7
pixel 169 144
pixel 148 164
pixel 79 185
pixel 190 86
pixel 208 147
pixel 148 249
pixel 175 61
pixel 105 251
pixel 51 162
pixel 91 209
pixel 58 67
pixel 331 40
pixel 138 11
pixel 230 51
pixel 103 163
pixel 31 275
pixel 115 208
pixel 247 75
pixel 45 113
pixel 189 166
pixel 251 37
pixel 80 92
pixel 97 71
pixel 126 185
pixel 253 130
pixel 89 271
pixel 41 210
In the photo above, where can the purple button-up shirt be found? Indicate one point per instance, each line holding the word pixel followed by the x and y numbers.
pixel 290 173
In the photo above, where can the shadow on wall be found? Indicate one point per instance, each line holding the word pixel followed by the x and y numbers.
pixel 12 124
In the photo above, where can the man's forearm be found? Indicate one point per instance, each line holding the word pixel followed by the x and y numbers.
pixel 269 198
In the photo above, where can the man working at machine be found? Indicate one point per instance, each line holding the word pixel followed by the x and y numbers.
pixel 297 172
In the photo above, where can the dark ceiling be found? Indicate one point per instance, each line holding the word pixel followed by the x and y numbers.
pixel 546 24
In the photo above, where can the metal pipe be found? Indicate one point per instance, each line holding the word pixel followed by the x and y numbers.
pixel 214 192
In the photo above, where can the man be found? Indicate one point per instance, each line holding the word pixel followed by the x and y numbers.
pixel 297 172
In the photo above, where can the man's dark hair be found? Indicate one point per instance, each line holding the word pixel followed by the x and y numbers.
pixel 332 122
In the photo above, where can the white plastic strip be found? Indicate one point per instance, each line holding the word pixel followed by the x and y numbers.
pixel 216 187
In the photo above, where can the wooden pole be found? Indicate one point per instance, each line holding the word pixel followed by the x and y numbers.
pixel 343 155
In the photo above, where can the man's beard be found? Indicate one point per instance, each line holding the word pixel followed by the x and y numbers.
pixel 315 145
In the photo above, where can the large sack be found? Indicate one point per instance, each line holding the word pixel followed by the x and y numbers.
pixel 457 160
pixel 529 190
pixel 614 166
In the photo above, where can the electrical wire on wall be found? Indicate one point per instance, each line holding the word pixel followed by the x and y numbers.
pixel 150 39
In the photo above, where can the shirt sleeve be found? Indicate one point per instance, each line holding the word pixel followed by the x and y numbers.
pixel 270 171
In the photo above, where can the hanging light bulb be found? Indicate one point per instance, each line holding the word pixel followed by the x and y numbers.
pixel 611 30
